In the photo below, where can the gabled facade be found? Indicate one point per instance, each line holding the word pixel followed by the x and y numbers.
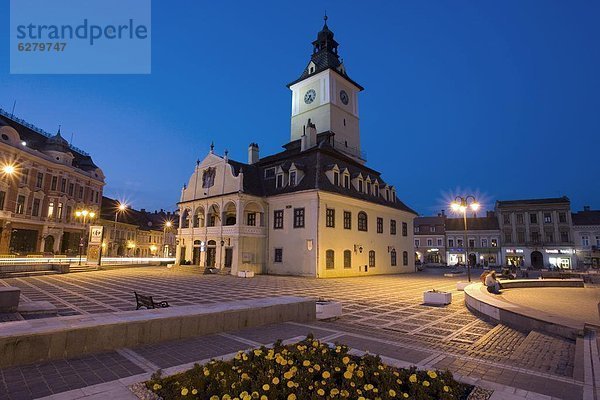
pixel 314 209
pixel 586 234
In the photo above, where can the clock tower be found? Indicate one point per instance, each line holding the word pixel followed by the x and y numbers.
pixel 327 96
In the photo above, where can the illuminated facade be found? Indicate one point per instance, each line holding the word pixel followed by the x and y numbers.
pixel 44 181
pixel 313 209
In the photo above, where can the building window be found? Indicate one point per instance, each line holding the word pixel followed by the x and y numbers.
pixel 585 241
pixel 508 237
pixel 535 237
pixel 432 229
pixel 494 242
pixel 80 191
pixel 347 220
pixel 362 221
pixel 293 178
pixel 379 225
pixel 63 185
pixel 40 180
pixel 549 237
pixel 270 172
pixel 298 217
pixel 279 181
pixel 372 259
pixel 405 258
pixel 484 243
pixel 471 243
pixel 71 189
pixel 506 218
pixel 598 241
pixel 459 242
pixel 393 260
pixel 519 218
pixel 533 218
pixel 392 227
pixel 347 259
pixel 251 219
pixel 53 183
pixel 347 181
pixel 376 191
pixel 417 229
pixel 2 198
pixel 24 176
pixel 330 218
pixel 69 213
pixel 564 237
pixel 368 187
pixel 521 236
pixel 450 242
pixel 20 209
pixel 440 242
pixel 329 259
pixel 360 185
pixel 336 178
pixel 50 209
pixel 547 218
pixel 278 256
pixel 404 229
pixel 417 242
pixel 59 211
pixel 562 218
pixel 278 219
pixel 35 209
pixel 430 242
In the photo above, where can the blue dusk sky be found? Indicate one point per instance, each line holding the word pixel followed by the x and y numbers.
pixel 496 98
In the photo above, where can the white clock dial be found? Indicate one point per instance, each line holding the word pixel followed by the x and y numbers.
pixel 310 96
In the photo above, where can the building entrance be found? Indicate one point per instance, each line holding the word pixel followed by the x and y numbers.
pixel 537 260
pixel 228 257
pixel 211 253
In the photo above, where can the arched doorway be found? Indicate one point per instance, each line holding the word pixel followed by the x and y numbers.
pixel 196 252
pixel 211 253
pixel 537 260
pixel 49 244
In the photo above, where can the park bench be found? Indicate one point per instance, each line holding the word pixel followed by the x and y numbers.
pixel 148 302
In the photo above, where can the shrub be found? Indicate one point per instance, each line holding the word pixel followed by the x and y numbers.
pixel 306 370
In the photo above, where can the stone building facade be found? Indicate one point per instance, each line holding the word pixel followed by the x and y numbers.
pixel 313 209
pixel 44 181
pixel 430 240
pixel 586 234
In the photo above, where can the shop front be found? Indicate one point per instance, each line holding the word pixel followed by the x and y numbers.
pixel 559 258
pixel 456 256
pixel 433 256
pixel 514 257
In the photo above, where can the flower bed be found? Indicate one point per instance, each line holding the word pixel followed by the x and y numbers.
pixel 306 370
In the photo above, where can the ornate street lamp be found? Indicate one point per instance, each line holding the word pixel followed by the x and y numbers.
pixel 84 215
pixel 167 225
pixel 461 205
pixel 122 207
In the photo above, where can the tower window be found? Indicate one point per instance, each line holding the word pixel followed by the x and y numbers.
pixel 344 121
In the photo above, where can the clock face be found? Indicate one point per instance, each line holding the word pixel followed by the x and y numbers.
pixel 344 97
pixel 310 96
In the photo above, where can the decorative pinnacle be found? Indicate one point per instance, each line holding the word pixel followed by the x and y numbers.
pixel 212 146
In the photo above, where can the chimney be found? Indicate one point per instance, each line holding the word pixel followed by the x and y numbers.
pixel 253 153
pixel 443 213
pixel 586 208
pixel 311 132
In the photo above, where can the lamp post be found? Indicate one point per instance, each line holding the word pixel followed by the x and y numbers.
pixel 462 204
pixel 84 215
pixel 167 225
pixel 120 208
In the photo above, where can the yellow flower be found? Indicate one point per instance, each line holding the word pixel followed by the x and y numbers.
pixel 214 397
pixel 266 387
pixel 425 383
pixel 156 386
pixel 334 392
pixel 361 398
pixel 398 381
pixel 243 394
pixel 292 396
pixel 320 392
pixel 326 374
pixel 290 384
pixel 263 397
pixel 226 396
pixel 247 397
pixel 184 392
pixel 311 370
pixel 346 360
pixel 392 393
pixel 412 378
pixel 275 381
pixel 194 391
pixel 337 369
pixel 306 363
pixel 206 372
pixel 288 374
pixel 348 375
pixel 432 374
pixel 359 373
pixel 255 395
pixel 317 367
pixel 257 352
pixel 315 344
pixel 446 388
pixel 245 376
pixel 405 395
pixel 345 393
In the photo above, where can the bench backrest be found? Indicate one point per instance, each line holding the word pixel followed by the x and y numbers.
pixel 144 300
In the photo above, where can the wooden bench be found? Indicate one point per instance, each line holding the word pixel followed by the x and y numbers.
pixel 148 302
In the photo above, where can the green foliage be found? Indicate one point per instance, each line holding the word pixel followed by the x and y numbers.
pixel 307 370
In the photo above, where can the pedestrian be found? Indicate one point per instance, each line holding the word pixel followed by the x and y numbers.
pixel 493 286
pixel 483 276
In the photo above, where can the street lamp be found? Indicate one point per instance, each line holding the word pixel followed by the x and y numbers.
pixel 9 169
pixel 167 225
pixel 122 207
pixel 84 215
pixel 461 205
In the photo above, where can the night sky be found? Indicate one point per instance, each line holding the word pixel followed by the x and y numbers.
pixel 500 99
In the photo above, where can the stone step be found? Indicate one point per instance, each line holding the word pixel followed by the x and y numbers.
pixel 6 275
pixel 547 353
pixel 502 340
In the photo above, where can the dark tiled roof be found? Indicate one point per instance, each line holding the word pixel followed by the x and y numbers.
pixel 586 217
pixel 40 142
pixel 143 219
pixel 315 162
pixel 429 221
pixel 473 224
pixel 555 200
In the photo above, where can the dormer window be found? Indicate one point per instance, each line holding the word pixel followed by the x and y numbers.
pixel 279 181
pixel 368 187
pixel 336 178
pixel 347 181
pixel 292 178
pixel 360 186
pixel 376 190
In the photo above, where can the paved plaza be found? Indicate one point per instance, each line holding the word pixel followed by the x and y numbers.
pixel 382 314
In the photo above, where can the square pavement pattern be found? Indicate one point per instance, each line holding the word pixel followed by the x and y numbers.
pixel 382 314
